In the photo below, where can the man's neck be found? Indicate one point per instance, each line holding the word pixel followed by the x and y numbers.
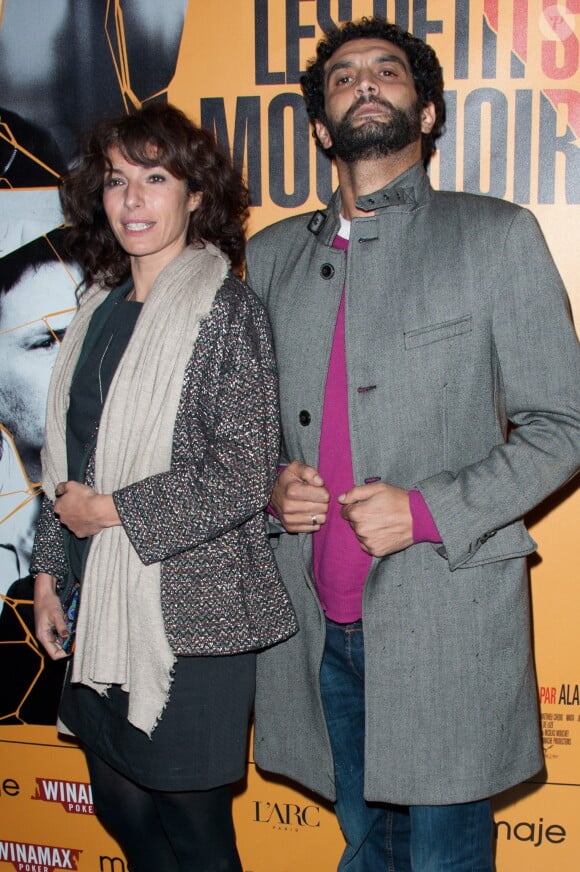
pixel 364 177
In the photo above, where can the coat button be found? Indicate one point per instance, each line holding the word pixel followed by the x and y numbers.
pixel 327 270
pixel 304 418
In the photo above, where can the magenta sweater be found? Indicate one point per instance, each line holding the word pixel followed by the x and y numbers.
pixel 340 566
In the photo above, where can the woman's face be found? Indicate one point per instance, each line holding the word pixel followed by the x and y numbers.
pixel 33 318
pixel 148 210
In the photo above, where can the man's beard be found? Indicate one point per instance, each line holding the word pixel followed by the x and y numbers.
pixel 375 138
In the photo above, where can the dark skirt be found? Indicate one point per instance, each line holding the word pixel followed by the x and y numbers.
pixel 201 739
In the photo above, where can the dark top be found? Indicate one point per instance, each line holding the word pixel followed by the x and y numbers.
pixel 88 393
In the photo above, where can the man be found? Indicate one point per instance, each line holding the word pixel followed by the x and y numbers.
pixel 429 380
pixel 37 303
pixel 29 154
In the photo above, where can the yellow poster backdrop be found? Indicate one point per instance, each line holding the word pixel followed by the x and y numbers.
pixel 512 76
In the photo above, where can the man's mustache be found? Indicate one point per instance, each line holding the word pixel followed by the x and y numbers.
pixel 363 101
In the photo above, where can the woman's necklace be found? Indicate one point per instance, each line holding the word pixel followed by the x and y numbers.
pixel 129 297
pixel 103 355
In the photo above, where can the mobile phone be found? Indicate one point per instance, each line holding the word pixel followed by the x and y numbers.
pixel 70 611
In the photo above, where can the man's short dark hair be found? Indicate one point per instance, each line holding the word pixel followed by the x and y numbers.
pixel 425 67
pixel 43 251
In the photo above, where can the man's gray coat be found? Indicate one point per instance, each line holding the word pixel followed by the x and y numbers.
pixel 463 373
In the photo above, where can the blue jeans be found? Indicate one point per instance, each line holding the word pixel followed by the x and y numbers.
pixel 381 837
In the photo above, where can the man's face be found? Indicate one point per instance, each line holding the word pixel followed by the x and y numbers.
pixel 371 103
pixel 33 318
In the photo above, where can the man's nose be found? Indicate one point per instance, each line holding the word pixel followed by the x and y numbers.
pixel 366 84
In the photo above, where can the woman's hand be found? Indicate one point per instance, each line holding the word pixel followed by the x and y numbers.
pixel 48 616
pixel 84 511
pixel 300 498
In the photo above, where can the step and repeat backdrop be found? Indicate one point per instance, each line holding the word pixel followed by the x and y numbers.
pixel 513 104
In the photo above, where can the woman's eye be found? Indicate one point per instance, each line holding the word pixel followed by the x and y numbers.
pixel 157 177
pixel 113 182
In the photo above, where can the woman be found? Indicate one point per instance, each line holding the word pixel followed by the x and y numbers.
pixel 161 448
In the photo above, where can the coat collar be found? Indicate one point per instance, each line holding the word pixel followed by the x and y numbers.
pixel 404 194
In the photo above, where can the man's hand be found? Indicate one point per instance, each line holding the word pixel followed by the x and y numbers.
pixel 48 617
pixel 83 511
pixel 300 498
pixel 380 516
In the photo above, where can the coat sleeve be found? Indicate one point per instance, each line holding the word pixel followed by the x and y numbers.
pixel 258 264
pixel 236 423
pixel 260 288
pixel 539 360
pixel 48 553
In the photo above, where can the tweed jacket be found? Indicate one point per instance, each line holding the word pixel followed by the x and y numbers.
pixel 463 371
pixel 203 520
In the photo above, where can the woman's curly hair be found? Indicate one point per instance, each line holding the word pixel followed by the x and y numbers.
pixel 157 135
pixel 426 69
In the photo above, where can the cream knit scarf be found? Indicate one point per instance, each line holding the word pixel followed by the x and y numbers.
pixel 120 634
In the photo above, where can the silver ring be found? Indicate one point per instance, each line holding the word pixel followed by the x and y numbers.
pixel 314 520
